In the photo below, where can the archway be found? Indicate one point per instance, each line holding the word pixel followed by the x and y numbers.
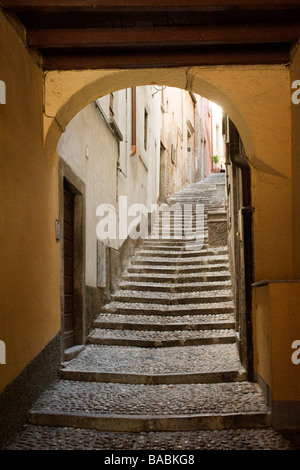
pixel 92 91
pixel 247 95
pixel 66 93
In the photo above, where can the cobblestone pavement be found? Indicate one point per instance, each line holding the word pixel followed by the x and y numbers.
pixel 49 438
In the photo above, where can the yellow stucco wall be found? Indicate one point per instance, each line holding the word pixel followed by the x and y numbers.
pixel 29 274
pixel 285 329
pixel 295 76
pixel 261 329
pixel 277 321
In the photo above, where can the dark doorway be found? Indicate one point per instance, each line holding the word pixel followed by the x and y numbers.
pixel 69 314
pixel 72 239
pixel 241 243
pixel 162 174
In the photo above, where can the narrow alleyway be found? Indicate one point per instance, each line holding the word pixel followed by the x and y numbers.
pixel 160 369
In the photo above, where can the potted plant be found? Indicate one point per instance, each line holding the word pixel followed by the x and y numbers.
pixel 216 159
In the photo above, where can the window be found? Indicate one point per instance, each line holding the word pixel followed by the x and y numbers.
pixel 146 129
pixel 173 154
pixel 111 105
pixel 218 140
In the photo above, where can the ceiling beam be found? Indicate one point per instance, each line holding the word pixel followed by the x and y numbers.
pixel 140 59
pixel 166 36
pixel 148 5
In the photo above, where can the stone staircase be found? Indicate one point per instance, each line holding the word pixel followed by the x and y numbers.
pixel 162 353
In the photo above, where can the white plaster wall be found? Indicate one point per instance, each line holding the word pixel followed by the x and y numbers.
pixel 218 144
pixel 91 150
pixel 94 153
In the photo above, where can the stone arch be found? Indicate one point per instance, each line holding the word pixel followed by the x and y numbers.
pixel 257 100
pixel 67 93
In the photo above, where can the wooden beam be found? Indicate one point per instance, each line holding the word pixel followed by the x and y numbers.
pixel 148 5
pixel 166 36
pixel 140 59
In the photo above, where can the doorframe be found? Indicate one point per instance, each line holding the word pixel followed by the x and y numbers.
pixel 162 172
pixel 77 187
pixel 242 200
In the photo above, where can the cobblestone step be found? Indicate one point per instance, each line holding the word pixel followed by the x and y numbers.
pixel 136 407
pixel 177 278
pixel 179 263
pixel 186 200
pixel 162 310
pixel 177 242
pixel 159 338
pixel 180 254
pixel 169 231
pixel 181 257
pixel 190 228
pixel 159 246
pixel 194 364
pixel 165 298
pixel 191 359
pixel 173 287
pixel 177 219
pixel 66 438
pixel 165 323
pixel 173 268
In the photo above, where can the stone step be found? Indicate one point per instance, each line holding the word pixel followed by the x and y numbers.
pixel 164 323
pixel 159 245
pixel 203 262
pixel 165 298
pixel 170 239
pixel 193 200
pixel 175 244
pixel 138 407
pixel 173 286
pixel 189 236
pixel 177 278
pixel 178 230
pixel 162 310
pixel 67 438
pixel 184 253
pixel 160 339
pixel 191 364
pixel 152 239
pixel 148 266
pixel 174 211
pixel 182 216
pixel 187 220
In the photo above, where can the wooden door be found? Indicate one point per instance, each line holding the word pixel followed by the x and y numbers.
pixel 69 317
